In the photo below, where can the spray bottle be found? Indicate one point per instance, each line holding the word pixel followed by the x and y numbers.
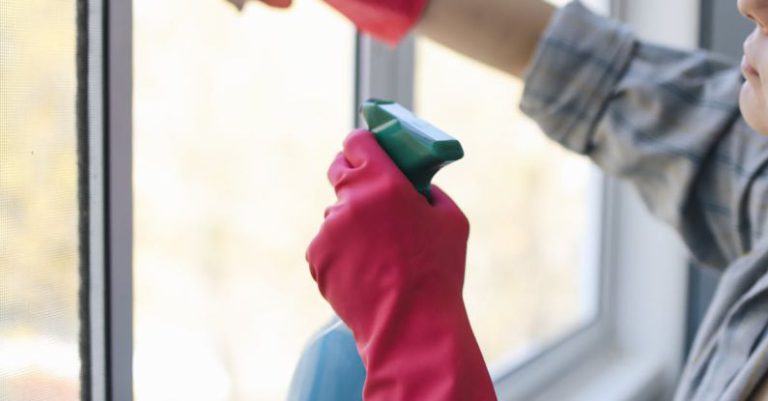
pixel 330 369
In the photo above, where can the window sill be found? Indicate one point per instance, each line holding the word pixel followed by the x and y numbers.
pixel 610 376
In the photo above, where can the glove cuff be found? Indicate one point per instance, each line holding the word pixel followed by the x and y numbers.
pixel 427 352
pixel 386 20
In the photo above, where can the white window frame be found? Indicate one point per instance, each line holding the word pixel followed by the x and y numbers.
pixel 632 351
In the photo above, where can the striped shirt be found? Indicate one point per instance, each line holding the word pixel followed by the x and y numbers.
pixel 668 122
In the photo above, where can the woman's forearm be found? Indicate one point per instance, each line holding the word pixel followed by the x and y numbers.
pixel 500 33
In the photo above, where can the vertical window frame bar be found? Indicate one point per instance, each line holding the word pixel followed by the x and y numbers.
pixel 110 200
pixel 383 72
pixel 94 114
pixel 118 152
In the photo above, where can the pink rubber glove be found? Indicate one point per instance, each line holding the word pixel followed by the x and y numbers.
pixel 386 20
pixel 392 267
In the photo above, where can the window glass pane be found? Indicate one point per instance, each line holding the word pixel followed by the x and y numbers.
pixel 526 200
pixel 237 116
pixel 39 261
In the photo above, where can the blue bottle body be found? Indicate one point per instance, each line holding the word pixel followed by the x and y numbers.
pixel 330 369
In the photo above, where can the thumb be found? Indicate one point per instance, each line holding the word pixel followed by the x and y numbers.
pixel 361 148
pixel 362 151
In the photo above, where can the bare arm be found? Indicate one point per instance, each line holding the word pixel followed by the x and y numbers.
pixel 500 33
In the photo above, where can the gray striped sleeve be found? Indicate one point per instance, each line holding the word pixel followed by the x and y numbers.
pixel 650 115
pixel 667 122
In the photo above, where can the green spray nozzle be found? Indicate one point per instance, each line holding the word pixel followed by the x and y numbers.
pixel 418 148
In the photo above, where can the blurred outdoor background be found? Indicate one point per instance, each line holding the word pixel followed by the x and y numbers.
pixel 39 357
pixel 237 116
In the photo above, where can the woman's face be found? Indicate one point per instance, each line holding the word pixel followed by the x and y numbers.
pixel 754 66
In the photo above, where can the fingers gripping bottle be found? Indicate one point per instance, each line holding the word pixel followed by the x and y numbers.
pixel 330 369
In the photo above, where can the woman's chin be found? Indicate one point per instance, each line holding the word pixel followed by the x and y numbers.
pixel 753 107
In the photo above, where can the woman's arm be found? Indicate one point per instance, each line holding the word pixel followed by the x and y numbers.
pixel 501 33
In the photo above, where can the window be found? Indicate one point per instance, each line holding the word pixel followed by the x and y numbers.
pixel 39 254
pixel 191 275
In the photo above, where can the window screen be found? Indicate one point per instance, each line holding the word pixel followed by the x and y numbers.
pixel 39 261
pixel 236 119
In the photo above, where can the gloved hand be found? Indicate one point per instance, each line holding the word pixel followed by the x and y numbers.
pixel 386 20
pixel 391 264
